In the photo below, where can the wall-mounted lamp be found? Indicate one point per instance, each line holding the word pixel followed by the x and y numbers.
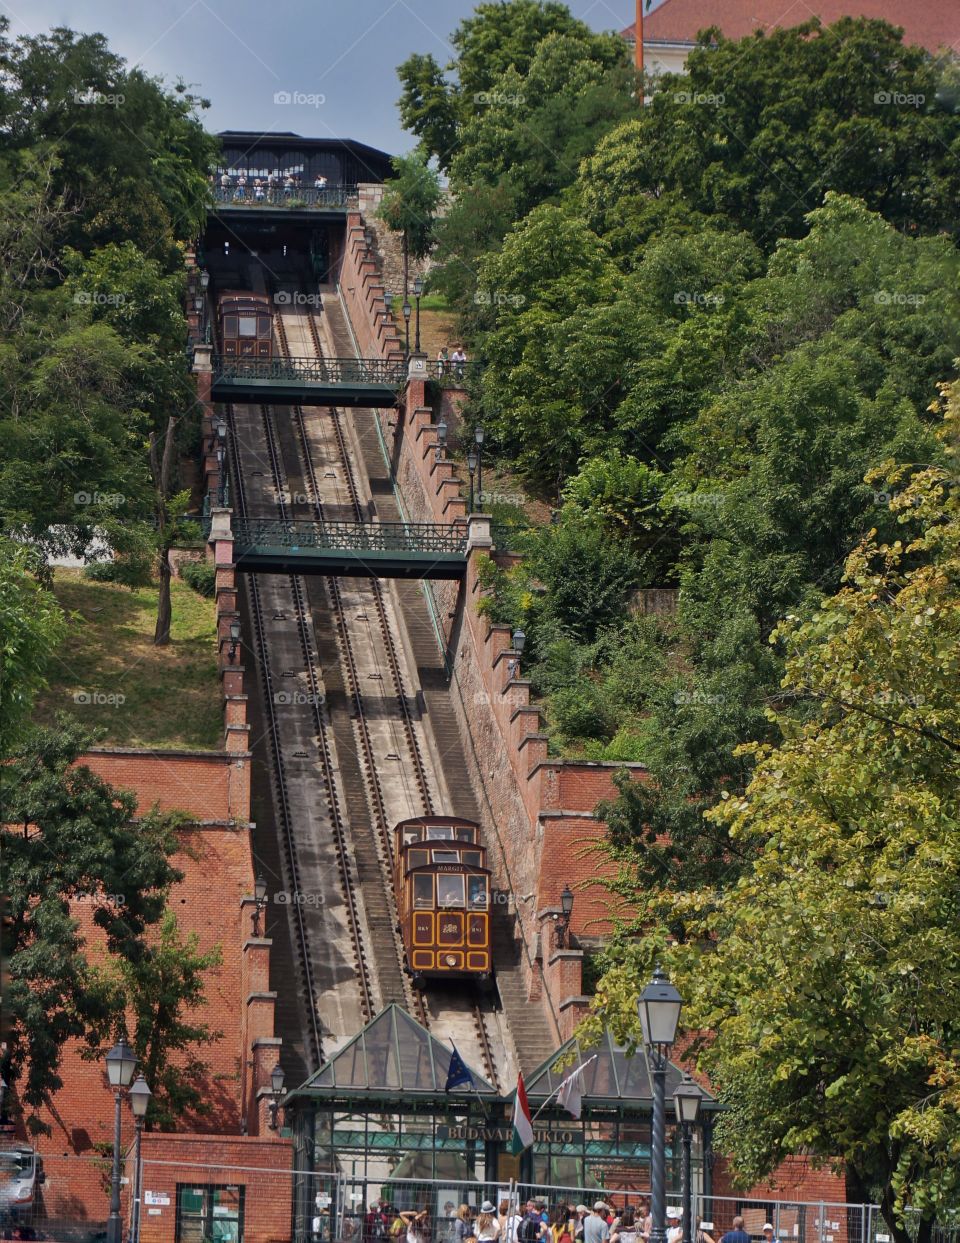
pixel 234 641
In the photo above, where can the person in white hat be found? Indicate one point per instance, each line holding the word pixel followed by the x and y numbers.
pixel 487 1225
pixel 768 1233
pixel 674 1225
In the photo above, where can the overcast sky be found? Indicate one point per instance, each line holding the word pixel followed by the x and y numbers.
pixel 335 59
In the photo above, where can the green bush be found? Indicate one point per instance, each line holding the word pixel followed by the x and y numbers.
pixel 124 571
pixel 201 576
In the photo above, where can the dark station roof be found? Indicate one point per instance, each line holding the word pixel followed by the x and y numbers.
pixel 286 139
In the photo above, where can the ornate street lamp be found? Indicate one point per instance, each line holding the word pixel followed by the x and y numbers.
pixel 563 919
pixel 388 303
pixel 260 901
pixel 441 440
pixel 276 1087
pixel 234 641
pixel 472 460
pixel 407 312
pixel 478 437
pixel 139 1102
pixel 417 293
pixel 687 1099
pixel 121 1063
pixel 659 1006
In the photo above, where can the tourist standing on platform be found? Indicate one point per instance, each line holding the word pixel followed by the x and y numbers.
pixel 531 1228
pixel 737 1234
pixel 674 1225
pixel 562 1224
pixel 701 1236
pixel 464 1224
pixel 626 1230
pixel 595 1227
pixel 488 1228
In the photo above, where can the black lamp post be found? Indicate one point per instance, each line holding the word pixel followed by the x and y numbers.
pixel 417 294
pixel 407 312
pixel 139 1102
pixel 478 438
pixel 234 641
pixel 204 280
pixel 519 643
pixel 388 303
pixel 221 476
pixel 441 440
pixel 563 919
pixel 686 1102
pixel 260 901
pixel 121 1063
pixel 276 1087
pixel 472 460
pixel 659 1006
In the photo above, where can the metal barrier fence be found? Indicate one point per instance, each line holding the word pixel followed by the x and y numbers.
pixel 185 1201
pixel 251 195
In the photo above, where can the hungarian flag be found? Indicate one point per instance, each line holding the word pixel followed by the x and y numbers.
pixel 522 1126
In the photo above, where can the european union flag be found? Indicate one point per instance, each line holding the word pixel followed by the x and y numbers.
pixel 458 1075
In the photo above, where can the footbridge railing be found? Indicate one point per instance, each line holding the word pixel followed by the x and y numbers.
pixel 346 371
pixel 336 198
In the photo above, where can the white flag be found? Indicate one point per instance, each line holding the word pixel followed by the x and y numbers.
pixel 570 1096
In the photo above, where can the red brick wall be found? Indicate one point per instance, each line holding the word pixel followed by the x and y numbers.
pixel 208 784
pixel 361 283
pixel 261 1166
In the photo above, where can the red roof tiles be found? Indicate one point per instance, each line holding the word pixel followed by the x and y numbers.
pixel 934 24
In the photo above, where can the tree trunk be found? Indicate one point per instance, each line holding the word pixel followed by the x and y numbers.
pixel 898 1230
pixel 161 636
pixel 161 470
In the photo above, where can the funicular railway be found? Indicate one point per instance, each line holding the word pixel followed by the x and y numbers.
pixel 354 739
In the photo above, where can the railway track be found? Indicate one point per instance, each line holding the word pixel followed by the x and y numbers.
pixel 330 609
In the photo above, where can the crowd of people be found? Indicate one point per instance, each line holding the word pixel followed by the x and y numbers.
pixel 533 1222
pixel 270 186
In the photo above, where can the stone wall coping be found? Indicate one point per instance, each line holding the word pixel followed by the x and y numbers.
pixel 579 1000
pixel 163 753
pixel 557 955
pixel 269 996
pixel 524 708
pixel 531 738
pixel 561 815
pixel 274 1041
pixel 257 943
pixel 612 765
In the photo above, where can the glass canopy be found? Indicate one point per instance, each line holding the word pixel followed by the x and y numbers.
pixel 613 1077
pixel 393 1056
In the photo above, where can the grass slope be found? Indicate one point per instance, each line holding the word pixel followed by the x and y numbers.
pixel 138 694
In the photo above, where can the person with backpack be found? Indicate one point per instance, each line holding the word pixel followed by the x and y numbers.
pixel 531 1228
pixel 595 1228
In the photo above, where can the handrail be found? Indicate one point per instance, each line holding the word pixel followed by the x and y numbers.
pixel 321 370
pixel 411 537
pixel 286 196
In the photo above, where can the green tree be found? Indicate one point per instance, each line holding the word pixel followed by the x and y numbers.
pixel 31 627
pixel 411 199
pixel 69 839
pixel 827 976
pixel 163 989
pixel 757 131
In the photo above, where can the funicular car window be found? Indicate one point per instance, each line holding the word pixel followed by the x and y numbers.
pixel 449 890
pixel 423 891
pixel 440 833
pixel 471 858
pixel 446 856
pixel 465 835
pixel 418 858
pixel 248 326
pixel 477 892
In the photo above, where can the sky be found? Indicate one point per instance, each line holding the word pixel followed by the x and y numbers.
pixel 325 68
